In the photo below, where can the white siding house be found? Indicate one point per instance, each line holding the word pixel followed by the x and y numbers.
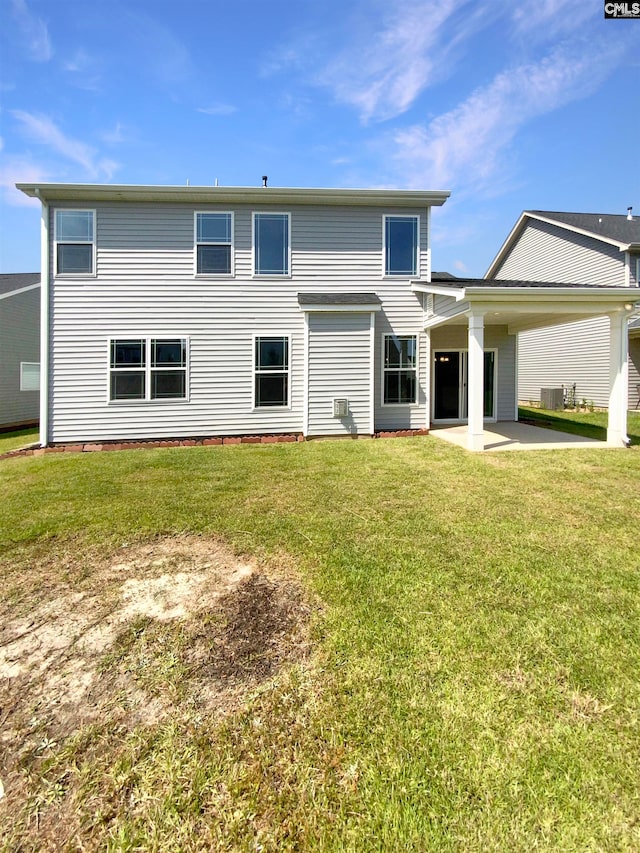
pixel 598 249
pixel 187 312
pixel 19 349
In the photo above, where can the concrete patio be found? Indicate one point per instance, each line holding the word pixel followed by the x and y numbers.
pixel 509 435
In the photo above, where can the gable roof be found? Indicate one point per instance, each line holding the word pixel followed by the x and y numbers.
pixel 605 225
pixel 10 282
pixel 614 229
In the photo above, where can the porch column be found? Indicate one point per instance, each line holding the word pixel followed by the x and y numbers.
pixel 475 382
pixel 618 380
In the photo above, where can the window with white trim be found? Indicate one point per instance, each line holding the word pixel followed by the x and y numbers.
pixel 148 369
pixel 214 243
pixel 29 376
pixel 74 235
pixel 401 245
pixel 271 243
pixel 400 369
pixel 638 271
pixel 271 360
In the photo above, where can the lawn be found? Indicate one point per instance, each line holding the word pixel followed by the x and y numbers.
pixel 17 438
pixel 467 635
pixel 589 424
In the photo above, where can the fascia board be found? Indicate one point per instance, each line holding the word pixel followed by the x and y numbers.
pixel 20 290
pixel 340 309
pixel 251 195
pixel 544 294
pixel 422 287
pixel 576 230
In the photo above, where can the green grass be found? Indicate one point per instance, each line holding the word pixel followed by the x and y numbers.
pixel 17 438
pixel 474 681
pixel 589 424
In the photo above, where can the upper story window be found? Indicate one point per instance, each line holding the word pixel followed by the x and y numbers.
pixel 401 245
pixel 75 242
pixel 148 369
pixel 638 271
pixel 400 369
pixel 214 243
pixel 271 244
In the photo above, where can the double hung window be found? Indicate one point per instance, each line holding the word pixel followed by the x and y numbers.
pixel 74 234
pixel 271 387
pixel 400 369
pixel 271 244
pixel 148 369
pixel 214 243
pixel 401 245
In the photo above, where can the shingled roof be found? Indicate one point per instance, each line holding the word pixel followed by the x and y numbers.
pixel 608 225
pixel 16 281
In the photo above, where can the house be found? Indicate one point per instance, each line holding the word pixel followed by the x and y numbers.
pixel 592 248
pixel 19 350
pixel 223 311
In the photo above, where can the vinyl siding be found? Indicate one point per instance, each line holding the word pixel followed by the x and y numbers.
pixel 145 286
pixel 19 341
pixel 545 252
pixel 339 366
pixel 575 352
pixel 563 355
pixel 497 338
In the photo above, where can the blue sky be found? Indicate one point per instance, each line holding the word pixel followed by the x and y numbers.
pixel 509 105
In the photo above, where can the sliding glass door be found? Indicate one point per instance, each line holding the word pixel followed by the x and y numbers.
pixel 450 379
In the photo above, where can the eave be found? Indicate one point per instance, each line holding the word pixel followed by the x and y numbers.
pixel 49 192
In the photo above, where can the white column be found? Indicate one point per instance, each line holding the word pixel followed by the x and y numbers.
pixel 475 382
pixel 618 380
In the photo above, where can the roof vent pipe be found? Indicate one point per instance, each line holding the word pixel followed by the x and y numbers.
pixel 629 212
pixel 264 180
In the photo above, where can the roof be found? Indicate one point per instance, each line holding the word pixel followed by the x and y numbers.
pixel 608 225
pixel 338 299
pixel 614 229
pixel 253 195
pixel 17 281
pixel 444 279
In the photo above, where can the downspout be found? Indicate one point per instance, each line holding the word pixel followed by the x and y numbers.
pixel 44 323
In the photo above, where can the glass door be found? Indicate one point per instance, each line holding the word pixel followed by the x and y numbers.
pixel 450 392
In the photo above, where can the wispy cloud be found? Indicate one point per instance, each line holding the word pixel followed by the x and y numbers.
pixel 389 65
pixel 15 170
pixel 43 130
pixel 114 137
pixel 549 18
pixel 468 145
pixel 218 110
pixel 34 32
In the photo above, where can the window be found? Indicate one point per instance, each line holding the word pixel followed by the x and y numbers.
pixel 638 271
pixel 148 369
pixel 401 245
pixel 29 376
pixel 271 372
pixel 271 243
pixel 75 242
pixel 400 369
pixel 214 243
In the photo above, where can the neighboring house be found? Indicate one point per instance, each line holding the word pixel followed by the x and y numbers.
pixel 197 311
pixel 590 248
pixel 19 349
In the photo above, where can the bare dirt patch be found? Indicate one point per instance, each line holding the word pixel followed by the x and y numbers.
pixel 180 622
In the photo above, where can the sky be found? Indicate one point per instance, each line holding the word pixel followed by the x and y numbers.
pixel 508 105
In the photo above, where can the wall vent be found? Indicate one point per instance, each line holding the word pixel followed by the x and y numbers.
pixel 340 407
pixel 429 305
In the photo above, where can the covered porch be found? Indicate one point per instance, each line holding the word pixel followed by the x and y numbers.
pixel 483 316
